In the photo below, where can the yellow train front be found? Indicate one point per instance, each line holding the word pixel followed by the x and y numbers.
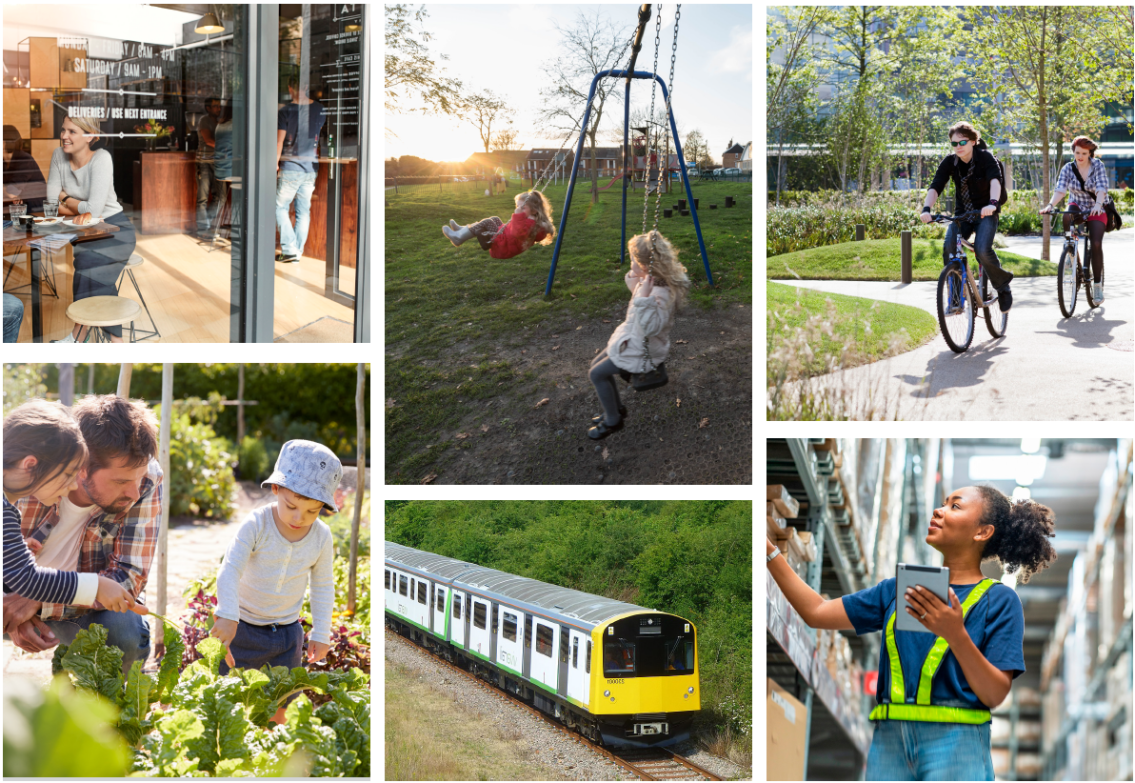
pixel 646 690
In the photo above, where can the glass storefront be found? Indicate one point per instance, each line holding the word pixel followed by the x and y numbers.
pixel 213 162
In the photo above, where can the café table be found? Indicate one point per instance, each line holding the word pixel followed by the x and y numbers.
pixel 24 241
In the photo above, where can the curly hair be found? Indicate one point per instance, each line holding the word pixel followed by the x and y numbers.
pixel 654 252
pixel 538 203
pixel 1021 530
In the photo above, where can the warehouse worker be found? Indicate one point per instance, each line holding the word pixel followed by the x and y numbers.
pixel 936 689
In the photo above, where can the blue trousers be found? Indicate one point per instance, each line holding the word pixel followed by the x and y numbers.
pixel 909 750
pixel 13 317
pixel 982 248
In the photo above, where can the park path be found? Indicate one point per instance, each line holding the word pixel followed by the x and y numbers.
pixel 195 546
pixel 1047 367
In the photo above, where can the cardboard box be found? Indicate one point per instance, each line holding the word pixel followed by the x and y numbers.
pixel 786 729
pixel 784 502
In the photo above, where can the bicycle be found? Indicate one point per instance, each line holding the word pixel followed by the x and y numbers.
pixel 959 295
pixel 1070 275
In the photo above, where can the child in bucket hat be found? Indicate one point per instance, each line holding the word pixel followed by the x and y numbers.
pixel 277 549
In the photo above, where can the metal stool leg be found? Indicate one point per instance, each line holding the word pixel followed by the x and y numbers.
pixel 145 334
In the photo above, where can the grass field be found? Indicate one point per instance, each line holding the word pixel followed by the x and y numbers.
pixel 428 737
pixel 880 259
pixel 454 315
pixel 869 326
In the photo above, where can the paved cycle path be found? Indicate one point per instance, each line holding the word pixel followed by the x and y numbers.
pixel 1047 367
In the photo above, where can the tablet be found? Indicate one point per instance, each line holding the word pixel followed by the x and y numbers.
pixel 932 578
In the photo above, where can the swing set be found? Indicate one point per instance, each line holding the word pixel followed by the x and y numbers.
pixel 653 161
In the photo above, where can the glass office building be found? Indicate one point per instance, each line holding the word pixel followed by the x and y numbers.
pixel 235 134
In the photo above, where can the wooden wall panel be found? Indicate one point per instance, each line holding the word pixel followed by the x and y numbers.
pixel 349 215
pixel 169 192
pixel 42 150
pixel 16 110
pixel 68 76
pixel 317 241
pixel 44 62
pixel 46 129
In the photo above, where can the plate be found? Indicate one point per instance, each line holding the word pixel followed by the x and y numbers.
pixel 48 221
pixel 91 222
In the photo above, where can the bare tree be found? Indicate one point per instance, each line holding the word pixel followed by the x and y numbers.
pixel 482 110
pixel 506 139
pixel 696 148
pixel 410 69
pixel 593 44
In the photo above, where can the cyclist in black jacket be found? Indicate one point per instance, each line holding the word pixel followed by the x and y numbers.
pixel 977 186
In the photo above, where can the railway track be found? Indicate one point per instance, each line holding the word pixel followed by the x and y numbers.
pixel 643 763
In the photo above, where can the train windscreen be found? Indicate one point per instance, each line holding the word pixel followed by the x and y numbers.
pixel 648 646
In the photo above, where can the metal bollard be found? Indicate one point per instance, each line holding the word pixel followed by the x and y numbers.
pixel 860 232
pixel 907 274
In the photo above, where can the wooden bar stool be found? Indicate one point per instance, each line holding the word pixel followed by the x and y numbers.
pixel 136 261
pixel 99 311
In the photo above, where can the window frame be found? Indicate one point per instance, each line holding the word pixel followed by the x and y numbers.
pixel 482 610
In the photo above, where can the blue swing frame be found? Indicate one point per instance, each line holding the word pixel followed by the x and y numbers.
pixel 621 74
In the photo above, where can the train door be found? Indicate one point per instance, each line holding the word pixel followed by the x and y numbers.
pixel 510 642
pixel 577 677
pixel 544 658
pixel 564 655
pixel 495 631
pixel 479 635
pixel 527 670
pixel 457 619
pixel 440 625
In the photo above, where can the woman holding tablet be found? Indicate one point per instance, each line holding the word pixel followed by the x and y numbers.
pixel 82 179
pixel 936 689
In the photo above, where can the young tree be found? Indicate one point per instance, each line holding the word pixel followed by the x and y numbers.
pixel 482 110
pixel 1036 70
pixel 506 139
pixel 411 70
pixel 791 77
pixel 593 44
pixel 695 148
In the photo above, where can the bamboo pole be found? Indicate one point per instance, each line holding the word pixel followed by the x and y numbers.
pixel 124 374
pixel 67 384
pixel 360 483
pixel 158 632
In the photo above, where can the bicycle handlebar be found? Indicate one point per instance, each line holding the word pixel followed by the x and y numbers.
pixel 955 218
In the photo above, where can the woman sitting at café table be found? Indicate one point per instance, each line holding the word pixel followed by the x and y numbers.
pixel 82 179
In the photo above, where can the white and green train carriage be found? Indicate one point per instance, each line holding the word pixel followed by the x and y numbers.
pixel 609 669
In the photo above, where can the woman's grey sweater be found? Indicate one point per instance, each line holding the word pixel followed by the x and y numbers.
pixel 93 184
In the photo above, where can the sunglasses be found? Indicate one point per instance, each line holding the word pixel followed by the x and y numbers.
pixel 961 143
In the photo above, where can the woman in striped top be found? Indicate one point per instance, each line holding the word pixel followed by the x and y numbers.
pixel 43 451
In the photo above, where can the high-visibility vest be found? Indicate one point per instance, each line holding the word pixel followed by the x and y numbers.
pixel 922 710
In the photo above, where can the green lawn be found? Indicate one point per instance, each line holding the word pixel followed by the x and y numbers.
pixel 881 259
pixel 849 326
pixel 449 309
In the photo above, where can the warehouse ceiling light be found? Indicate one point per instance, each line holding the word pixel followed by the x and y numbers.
pixel 1022 493
pixel 1024 468
pixel 208 24
pixel 1030 445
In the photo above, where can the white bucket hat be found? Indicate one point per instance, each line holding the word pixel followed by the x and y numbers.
pixel 309 469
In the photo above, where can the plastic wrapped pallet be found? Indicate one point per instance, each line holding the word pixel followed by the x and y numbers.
pixel 779 496
pixel 1028 765
pixel 808 542
pixel 1112 584
pixel 774 522
pixel 1052 712
pixel 999 729
pixel 1028 731
pixel 1000 761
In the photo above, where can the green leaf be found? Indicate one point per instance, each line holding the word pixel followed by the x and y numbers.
pixel 136 705
pixel 213 652
pixel 93 664
pixel 224 724
pixel 171 661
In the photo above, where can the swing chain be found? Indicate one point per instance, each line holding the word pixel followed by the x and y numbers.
pixel 669 101
pixel 650 119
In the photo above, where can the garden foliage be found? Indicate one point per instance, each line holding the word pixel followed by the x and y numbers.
pixel 200 722
pixel 200 482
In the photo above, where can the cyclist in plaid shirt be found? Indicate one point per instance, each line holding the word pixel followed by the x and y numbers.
pixel 109 525
pixel 1089 198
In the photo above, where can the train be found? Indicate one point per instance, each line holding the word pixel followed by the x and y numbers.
pixel 619 674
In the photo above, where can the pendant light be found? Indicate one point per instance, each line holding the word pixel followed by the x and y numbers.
pixel 208 24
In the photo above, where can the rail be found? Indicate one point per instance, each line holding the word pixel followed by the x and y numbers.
pixel 643 763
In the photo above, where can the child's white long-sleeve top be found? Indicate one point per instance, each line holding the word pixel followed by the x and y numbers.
pixel 264 576
pixel 648 316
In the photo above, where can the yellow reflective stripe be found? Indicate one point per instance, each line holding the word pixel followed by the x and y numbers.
pixel 898 688
pixel 929 714
pixel 938 651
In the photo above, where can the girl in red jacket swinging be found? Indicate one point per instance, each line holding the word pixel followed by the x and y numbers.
pixel 531 224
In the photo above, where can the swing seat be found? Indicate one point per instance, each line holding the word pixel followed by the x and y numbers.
pixel 645 381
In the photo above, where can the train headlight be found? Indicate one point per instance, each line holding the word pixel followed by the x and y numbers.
pixel 691 690
pixel 685 695
pixel 606 693
pixel 612 698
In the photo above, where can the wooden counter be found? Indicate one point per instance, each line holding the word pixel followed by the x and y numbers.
pixel 165 192
pixel 348 170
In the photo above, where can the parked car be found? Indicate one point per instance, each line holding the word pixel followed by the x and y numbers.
pixel 731 172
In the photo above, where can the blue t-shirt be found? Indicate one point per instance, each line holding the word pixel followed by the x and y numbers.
pixel 996 623
pixel 302 125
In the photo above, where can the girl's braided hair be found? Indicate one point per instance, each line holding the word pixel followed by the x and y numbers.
pixel 1021 530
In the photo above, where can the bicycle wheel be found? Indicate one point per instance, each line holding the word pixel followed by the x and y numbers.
pixel 996 320
pixel 955 309
pixel 1067 282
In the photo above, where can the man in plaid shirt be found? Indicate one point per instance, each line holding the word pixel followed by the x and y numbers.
pixel 108 525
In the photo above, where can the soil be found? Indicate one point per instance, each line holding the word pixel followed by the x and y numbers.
pixel 697 429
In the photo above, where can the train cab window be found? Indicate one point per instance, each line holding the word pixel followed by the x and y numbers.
pixel 618 657
pixel 440 600
pixel 479 614
pixel 575 653
pixel 456 607
pixel 680 655
pixel 421 592
pixel 587 661
pixel 387 573
pixel 510 627
pixel 527 630
pixel 544 640
pixel 402 585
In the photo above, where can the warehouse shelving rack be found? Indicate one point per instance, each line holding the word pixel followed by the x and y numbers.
pixel 1016 713
pixel 1054 759
pixel 838 734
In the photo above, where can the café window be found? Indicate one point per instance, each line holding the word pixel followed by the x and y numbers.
pixel 138 148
